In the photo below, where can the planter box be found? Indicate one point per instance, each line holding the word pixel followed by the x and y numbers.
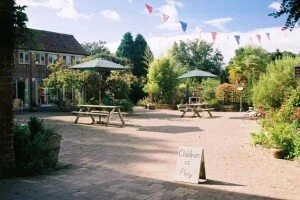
pixel 164 106
pixel 278 153
pixel 227 108
pixel 151 107
pixel 52 147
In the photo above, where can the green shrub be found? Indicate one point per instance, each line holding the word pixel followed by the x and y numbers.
pixel 126 105
pixel 31 154
pixel 143 102
pixel 272 86
pixel 226 93
pixel 281 128
pixel 209 90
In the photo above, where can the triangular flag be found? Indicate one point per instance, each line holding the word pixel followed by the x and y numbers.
pixel 130 1
pixel 165 17
pixel 149 8
pixel 268 35
pixel 259 38
pixel 214 35
pixel 237 38
pixel 183 25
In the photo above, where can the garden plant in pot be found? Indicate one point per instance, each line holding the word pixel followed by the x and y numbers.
pixel 36 147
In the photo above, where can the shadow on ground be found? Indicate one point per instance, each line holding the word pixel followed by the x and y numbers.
pixel 170 129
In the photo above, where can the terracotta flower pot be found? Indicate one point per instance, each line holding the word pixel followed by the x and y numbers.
pixel 151 107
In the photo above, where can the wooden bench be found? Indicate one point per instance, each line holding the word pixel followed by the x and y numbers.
pixel 90 114
pixel 208 110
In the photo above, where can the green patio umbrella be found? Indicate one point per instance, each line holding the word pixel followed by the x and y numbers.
pixel 197 73
pixel 99 65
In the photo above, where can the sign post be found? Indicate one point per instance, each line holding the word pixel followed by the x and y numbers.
pixel 190 165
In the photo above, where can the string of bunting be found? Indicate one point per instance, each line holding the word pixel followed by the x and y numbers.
pixel 199 31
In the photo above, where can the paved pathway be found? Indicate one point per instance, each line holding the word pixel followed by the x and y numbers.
pixel 138 161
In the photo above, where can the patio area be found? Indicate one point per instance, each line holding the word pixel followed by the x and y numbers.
pixel 138 161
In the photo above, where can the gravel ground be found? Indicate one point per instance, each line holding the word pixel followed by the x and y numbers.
pixel 138 161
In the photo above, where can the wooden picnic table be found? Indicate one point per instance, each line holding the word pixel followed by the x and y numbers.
pixel 100 111
pixel 196 108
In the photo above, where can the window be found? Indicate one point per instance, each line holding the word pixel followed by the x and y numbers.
pixel 52 58
pixel 67 60
pixel 40 58
pixel 78 58
pixel 24 57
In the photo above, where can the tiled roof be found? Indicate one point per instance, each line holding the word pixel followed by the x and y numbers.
pixel 40 40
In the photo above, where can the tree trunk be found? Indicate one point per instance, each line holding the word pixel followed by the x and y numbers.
pixel 7 159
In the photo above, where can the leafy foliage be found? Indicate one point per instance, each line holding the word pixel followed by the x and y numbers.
pixel 138 52
pixel 94 48
pixel 278 55
pixel 209 87
pixel 60 77
pixel 272 86
pixel 281 128
pixel 197 54
pixel 162 80
pixel 126 48
pixel 140 45
pixel 290 8
pixel 118 84
pixel 225 92
pixel 31 153
pixel 247 64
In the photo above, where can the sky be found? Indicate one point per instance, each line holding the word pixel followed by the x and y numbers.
pixel 108 20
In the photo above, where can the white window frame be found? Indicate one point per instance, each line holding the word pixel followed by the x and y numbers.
pixel 23 61
pixel 54 58
pixel 39 61
pixel 67 59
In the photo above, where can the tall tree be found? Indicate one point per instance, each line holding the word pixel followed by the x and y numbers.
pixel 12 19
pixel 291 8
pixel 148 57
pixel 126 48
pixel 94 48
pixel 197 54
pixel 140 46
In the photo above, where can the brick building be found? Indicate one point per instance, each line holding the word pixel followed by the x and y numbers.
pixel 31 61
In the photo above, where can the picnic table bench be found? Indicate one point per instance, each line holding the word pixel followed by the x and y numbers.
pixel 99 111
pixel 196 108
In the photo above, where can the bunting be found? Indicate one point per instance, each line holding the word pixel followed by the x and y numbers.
pixel 268 35
pixel 199 31
pixel 149 8
pixel 165 17
pixel 259 38
pixel 214 35
pixel 183 25
pixel 237 38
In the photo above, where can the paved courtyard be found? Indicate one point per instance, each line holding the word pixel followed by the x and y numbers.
pixel 138 161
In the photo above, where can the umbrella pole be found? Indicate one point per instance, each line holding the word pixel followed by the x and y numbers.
pixel 100 86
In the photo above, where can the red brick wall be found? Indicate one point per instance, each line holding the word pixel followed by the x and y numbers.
pixel 6 92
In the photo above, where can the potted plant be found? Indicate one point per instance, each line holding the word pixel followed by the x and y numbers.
pixel 36 147
pixel 151 106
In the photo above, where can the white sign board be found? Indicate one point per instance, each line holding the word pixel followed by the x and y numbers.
pixel 190 165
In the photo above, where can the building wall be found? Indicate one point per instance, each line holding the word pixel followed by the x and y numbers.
pixel 37 72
